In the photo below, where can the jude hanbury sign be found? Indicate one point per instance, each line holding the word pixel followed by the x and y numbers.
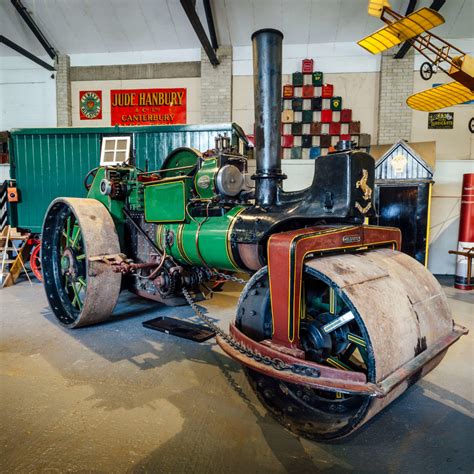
pixel 148 106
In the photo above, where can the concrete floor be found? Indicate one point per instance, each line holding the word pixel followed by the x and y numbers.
pixel 121 398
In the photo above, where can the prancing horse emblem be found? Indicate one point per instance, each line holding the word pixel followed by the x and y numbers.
pixel 362 184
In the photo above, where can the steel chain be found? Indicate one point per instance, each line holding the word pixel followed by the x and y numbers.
pixel 276 363
pixel 227 277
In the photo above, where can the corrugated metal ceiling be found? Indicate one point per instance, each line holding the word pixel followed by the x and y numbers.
pixel 100 26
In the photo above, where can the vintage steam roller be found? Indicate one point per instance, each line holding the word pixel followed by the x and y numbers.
pixel 333 324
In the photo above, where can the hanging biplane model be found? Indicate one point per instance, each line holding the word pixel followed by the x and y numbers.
pixel 414 28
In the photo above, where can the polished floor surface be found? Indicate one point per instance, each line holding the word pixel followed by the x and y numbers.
pixel 121 398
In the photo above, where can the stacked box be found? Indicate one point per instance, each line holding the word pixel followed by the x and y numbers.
pixel 314 152
pixel 335 128
pixel 316 128
pixel 308 91
pixel 346 115
pixel 298 121
pixel 327 91
pixel 297 129
pixel 307 66
pixel 354 128
pixel 325 140
pixel 317 78
pixel 364 139
pixel 288 91
pixel 307 116
pixel 317 103
pixel 297 104
pixel 296 153
pixel 336 103
pixel 326 116
pixel 287 116
pixel 297 79
pixel 287 141
pixel 307 141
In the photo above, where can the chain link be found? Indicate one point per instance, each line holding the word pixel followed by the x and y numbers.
pixel 227 277
pixel 276 363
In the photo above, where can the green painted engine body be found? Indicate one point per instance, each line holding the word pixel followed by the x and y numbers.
pixel 202 241
pixel 163 202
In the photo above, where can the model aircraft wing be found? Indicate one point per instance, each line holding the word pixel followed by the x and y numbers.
pixel 401 30
pixel 376 7
pixel 440 97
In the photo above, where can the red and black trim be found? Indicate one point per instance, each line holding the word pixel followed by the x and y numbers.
pixel 286 254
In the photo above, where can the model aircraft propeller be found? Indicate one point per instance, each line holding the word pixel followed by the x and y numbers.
pixel 414 28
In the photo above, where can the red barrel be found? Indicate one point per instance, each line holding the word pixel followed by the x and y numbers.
pixel 466 232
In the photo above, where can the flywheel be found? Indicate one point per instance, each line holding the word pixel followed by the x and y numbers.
pixel 80 291
pixel 370 313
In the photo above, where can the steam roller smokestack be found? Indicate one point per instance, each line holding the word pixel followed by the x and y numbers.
pixel 267 59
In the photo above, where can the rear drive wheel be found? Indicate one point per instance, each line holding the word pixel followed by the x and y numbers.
pixel 80 291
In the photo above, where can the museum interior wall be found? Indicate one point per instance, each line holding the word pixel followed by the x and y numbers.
pixel 29 97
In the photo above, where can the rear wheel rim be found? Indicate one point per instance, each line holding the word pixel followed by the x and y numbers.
pixel 80 291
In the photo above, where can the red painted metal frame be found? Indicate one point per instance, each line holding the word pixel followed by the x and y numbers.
pixel 286 254
pixel 330 379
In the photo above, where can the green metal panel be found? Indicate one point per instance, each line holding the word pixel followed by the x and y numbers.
pixel 205 179
pixel 52 162
pixel 166 202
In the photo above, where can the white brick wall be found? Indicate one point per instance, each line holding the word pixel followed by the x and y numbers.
pixel 63 91
pixel 216 87
pixel 396 84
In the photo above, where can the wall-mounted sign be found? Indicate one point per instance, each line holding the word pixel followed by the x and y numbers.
pixel 148 106
pixel 90 105
pixel 441 120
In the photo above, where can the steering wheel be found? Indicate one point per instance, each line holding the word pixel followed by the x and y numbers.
pixel 90 178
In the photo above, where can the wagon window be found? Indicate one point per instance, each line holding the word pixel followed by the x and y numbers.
pixel 115 150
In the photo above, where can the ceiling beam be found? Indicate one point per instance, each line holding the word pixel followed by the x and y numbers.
pixel 435 5
pixel 210 23
pixel 199 30
pixel 25 53
pixel 28 19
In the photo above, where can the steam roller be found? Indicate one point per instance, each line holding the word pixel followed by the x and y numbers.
pixel 333 322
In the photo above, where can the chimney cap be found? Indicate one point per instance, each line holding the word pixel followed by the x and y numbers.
pixel 267 30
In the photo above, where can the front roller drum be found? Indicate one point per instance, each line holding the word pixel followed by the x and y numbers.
pixel 372 313
pixel 80 291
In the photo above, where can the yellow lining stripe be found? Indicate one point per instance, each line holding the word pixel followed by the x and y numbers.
pixel 180 245
pixel 428 224
pixel 228 247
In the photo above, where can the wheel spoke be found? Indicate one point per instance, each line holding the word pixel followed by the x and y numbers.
pixel 82 256
pixel 335 362
pixel 332 301
pixel 76 296
pixel 68 229
pixel 76 234
pixel 356 340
